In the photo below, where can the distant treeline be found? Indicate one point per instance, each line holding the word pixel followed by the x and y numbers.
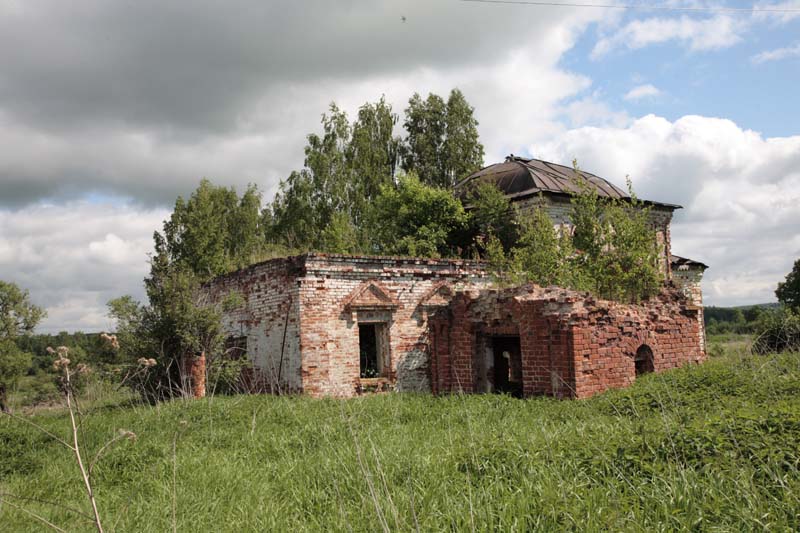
pixel 83 347
pixel 720 320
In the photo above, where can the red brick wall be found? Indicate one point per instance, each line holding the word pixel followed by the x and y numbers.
pixel 329 329
pixel 607 339
pixel 571 344
pixel 301 315
pixel 307 298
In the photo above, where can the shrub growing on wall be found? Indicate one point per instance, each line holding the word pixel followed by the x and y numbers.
pixel 618 256
pixel 610 249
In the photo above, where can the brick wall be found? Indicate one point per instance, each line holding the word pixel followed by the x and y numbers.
pixel 437 319
pixel 329 335
pixel 606 337
pixel 269 319
pixel 311 299
pixel 688 279
pixel 571 344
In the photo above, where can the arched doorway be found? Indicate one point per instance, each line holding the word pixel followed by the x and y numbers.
pixel 643 360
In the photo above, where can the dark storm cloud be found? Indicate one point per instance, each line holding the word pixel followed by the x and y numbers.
pixel 194 67
pixel 142 99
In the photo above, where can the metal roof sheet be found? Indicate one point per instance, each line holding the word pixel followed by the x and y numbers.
pixel 678 262
pixel 519 177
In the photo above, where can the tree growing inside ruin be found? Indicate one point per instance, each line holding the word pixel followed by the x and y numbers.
pixel 442 144
pixel 18 316
pixel 325 205
pixel 415 219
pixel 609 249
pixel 617 254
pixel 490 216
pixel 543 254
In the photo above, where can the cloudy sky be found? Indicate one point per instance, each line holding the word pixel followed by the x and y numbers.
pixel 109 110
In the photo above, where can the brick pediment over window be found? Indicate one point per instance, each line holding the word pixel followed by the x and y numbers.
pixel 439 296
pixel 371 295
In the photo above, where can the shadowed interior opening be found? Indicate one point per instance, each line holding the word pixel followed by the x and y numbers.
pixel 368 351
pixel 643 360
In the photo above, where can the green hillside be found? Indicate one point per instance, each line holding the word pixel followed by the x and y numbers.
pixel 710 447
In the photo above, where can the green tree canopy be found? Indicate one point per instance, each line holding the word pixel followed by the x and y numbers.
pixel 788 291
pixel 324 204
pixel 416 219
pixel 214 231
pixel 372 154
pixel 442 143
pixel 462 147
pixel 291 220
pixel 18 316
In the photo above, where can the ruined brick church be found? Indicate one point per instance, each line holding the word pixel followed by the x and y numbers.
pixel 341 325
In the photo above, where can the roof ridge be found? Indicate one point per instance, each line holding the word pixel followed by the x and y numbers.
pixel 530 176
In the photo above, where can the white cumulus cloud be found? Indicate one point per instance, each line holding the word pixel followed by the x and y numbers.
pixel 74 257
pixel 740 193
pixel 777 54
pixel 697 34
pixel 642 91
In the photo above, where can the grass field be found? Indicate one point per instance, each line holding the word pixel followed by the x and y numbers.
pixel 714 447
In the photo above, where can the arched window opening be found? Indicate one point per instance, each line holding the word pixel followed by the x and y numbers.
pixel 643 360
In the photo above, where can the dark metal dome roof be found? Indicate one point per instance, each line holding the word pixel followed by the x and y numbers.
pixel 519 177
pixel 682 263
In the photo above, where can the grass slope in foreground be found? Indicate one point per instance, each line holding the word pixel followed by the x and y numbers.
pixel 711 447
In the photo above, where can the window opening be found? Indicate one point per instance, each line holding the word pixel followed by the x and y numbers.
pixel 643 360
pixel 368 348
pixel 235 347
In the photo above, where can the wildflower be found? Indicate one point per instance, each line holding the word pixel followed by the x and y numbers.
pixel 61 362
pixel 62 351
pixel 147 363
pixel 111 340
pixel 126 434
pixel 82 369
pixel 50 350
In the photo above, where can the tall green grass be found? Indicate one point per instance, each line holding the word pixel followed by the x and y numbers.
pixel 714 447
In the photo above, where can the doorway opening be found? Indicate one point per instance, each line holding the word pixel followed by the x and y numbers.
pixel 507 366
